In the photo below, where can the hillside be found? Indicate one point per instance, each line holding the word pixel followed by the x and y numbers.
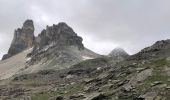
pixel 59 67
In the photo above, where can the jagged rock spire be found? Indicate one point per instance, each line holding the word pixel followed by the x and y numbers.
pixel 60 35
pixel 23 38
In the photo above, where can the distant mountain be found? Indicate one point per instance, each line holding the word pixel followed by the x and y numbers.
pixel 55 65
pixel 56 47
pixel 119 54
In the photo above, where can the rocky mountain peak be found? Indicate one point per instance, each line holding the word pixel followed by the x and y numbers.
pixel 23 38
pixel 60 35
pixel 61 44
pixel 118 53
pixel 28 25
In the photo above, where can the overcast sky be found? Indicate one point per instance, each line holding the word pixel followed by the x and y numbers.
pixel 103 24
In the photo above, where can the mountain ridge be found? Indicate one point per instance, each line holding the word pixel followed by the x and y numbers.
pixel 59 67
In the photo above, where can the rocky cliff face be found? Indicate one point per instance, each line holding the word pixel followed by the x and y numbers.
pixel 60 35
pixel 61 68
pixel 23 38
pixel 60 46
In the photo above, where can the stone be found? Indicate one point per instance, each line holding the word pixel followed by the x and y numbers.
pixel 127 87
pixel 168 87
pixel 140 77
pixel 99 97
pixel 78 95
pixel 156 83
pixel 59 98
pixel 95 96
pixel 23 38
pixel 149 96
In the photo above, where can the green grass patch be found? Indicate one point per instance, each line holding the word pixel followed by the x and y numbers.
pixel 159 62
pixel 42 96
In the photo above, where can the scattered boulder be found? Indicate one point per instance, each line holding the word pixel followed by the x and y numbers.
pixel 59 98
pixel 77 96
pixel 156 83
pixel 99 97
pixel 149 96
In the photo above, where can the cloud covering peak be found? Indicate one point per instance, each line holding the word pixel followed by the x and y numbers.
pixel 103 24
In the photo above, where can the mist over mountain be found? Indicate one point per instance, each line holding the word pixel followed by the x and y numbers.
pixel 84 50
pixel 55 65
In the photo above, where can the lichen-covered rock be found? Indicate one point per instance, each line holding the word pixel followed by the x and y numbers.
pixel 23 38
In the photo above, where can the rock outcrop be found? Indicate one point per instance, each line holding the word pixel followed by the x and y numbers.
pixel 119 54
pixel 60 35
pixel 23 38
pixel 159 48
pixel 163 44
pixel 60 45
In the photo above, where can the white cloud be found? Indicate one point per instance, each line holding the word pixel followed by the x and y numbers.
pixel 103 24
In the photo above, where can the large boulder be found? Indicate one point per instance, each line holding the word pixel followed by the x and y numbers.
pixel 23 39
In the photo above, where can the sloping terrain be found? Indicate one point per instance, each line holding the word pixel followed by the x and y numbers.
pixel 56 47
pixel 97 79
pixel 59 67
pixel 11 66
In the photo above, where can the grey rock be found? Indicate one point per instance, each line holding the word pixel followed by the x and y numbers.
pixel 140 77
pixel 58 35
pixel 119 54
pixel 77 96
pixel 168 87
pixel 95 96
pixel 61 45
pixel 23 39
pixel 156 83
pixel 156 50
pixel 149 96
pixel 99 97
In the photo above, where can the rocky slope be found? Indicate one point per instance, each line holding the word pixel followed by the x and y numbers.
pixel 23 39
pixel 56 47
pixel 157 50
pixel 84 75
pixel 98 79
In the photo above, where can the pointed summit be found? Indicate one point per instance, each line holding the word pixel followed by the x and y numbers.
pixel 23 38
pixel 119 53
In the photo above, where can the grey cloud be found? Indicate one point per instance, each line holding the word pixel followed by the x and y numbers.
pixel 104 24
